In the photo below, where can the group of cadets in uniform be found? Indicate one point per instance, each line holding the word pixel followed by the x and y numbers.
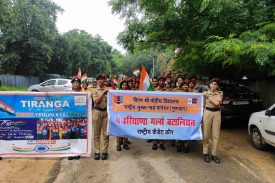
pixel 211 116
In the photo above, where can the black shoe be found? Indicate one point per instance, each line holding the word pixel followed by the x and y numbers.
pixel 216 159
pixel 126 147
pixel 118 147
pixel 104 156
pixel 149 140
pixel 77 157
pixel 70 157
pixel 154 147
pixel 0 158
pixel 186 149
pixel 162 147
pixel 97 156
pixel 179 149
pixel 206 158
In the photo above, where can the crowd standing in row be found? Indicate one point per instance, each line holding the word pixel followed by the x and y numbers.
pixel 211 116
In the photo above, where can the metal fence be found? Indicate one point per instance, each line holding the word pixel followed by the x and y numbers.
pixel 18 80
pixel 266 87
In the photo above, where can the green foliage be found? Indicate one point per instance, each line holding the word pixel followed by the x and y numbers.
pixel 129 62
pixel 12 88
pixel 221 36
pixel 28 36
pixel 31 45
pixel 258 46
pixel 92 54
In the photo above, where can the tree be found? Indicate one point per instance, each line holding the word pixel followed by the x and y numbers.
pixel 198 27
pixel 78 49
pixel 129 62
pixel 29 37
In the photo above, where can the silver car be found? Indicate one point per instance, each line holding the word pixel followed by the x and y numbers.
pixel 52 85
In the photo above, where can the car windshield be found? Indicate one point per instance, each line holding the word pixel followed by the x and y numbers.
pixel 234 88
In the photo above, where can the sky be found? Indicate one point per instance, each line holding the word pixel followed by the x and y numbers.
pixel 93 16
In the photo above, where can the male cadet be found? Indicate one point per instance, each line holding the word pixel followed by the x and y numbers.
pixel 211 122
pixel 191 85
pixel 100 117
pixel 161 87
pixel 155 85
pixel 155 82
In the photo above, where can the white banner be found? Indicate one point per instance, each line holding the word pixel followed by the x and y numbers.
pixel 45 124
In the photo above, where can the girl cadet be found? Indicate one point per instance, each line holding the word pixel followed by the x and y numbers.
pixel 121 140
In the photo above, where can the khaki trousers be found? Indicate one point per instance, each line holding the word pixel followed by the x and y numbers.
pixel 211 124
pixel 100 119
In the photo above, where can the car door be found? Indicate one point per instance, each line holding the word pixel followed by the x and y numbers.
pixel 62 85
pixel 269 125
pixel 47 86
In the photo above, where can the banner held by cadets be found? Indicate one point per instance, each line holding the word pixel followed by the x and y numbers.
pixel 45 124
pixel 155 115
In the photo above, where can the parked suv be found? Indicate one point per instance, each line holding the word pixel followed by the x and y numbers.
pixel 261 128
pixel 52 85
pixel 238 101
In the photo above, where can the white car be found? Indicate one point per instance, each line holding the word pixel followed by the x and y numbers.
pixel 261 128
pixel 52 85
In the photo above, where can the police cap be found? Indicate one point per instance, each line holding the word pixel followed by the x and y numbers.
pixel 162 78
pixel 75 78
pixel 101 76
pixel 214 80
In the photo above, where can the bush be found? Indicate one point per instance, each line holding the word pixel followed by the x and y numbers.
pixel 13 88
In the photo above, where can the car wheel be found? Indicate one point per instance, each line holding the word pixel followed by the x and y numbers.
pixel 257 139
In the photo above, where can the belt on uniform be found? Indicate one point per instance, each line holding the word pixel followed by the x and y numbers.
pixel 213 109
pixel 100 109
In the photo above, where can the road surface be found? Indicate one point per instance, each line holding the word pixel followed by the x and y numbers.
pixel 240 162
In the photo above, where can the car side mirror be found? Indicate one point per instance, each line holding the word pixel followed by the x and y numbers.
pixel 268 112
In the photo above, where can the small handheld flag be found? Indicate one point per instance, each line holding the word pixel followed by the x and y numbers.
pixel 136 72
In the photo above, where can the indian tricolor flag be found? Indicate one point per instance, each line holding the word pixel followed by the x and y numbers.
pixel 84 77
pixel 79 73
pixel 145 83
pixel 136 72
pixel 116 82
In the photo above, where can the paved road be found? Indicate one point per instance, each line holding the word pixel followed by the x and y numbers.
pixel 240 163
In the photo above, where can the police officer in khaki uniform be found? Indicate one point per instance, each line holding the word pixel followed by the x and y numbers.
pixel 211 121
pixel 100 117
pixel 161 87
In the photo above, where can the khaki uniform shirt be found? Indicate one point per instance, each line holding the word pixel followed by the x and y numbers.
pixel 193 91
pixel 96 93
pixel 177 90
pixel 160 89
pixel 216 96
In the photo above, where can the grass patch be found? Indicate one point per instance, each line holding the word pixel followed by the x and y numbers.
pixel 13 88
